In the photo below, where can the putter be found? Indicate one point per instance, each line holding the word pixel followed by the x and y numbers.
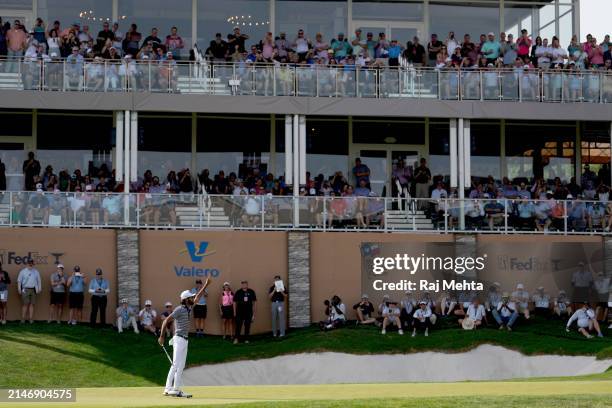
pixel 167 355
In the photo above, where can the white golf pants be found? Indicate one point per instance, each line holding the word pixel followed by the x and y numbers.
pixel 179 356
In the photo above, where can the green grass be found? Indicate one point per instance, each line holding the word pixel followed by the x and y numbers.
pixel 83 357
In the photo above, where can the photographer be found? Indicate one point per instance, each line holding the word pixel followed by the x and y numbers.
pixel 76 287
pixel 335 312
pixel 364 311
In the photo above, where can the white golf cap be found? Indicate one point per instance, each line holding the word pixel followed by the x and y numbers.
pixel 148 302
pixel 60 266
pixel 520 286
pixel 168 304
pixel 186 294
pixel 124 300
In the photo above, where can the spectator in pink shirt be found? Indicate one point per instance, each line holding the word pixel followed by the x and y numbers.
pixel 174 43
pixel 596 54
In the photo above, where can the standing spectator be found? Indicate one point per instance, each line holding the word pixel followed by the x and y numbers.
pixel 174 43
pixel 104 35
pixel 451 43
pixel 16 40
pixel 226 310
pixel 422 176
pixel 148 317
pixel 118 37
pixel 422 318
pixel 2 176
pixel 152 39
pixel 523 44
pixel 58 294
pixel 282 46
pixel 585 320
pixel 76 295
pixel 277 294
pixel 28 286
pixel 505 314
pixel 490 49
pixel 415 52
pixel 301 45
pixel 433 48
pixel 341 47
pixel 582 280
pixel 237 39
pixel 358 43
pixel 365 311
pixel 245 306
pixel 200 309
pixel 131 43
pixel 125 317
pixel 99 289
pixel 5 281
pixel 217 49
pixel 3 32
pixel 361 172
pixel 31 171
pixel 509 51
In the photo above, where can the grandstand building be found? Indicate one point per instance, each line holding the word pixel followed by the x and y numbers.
pixel 286 130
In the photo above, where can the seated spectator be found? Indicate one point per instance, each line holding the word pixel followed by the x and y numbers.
pixel 474 214
pixel 364 311
pixel 493 297
pixel 408 305
pixel 562 307
pixel 577 213
pixel 147 317
pixel 505 314
pixel 475 313
pixel 126 317
pixel 113 208
pixel 391 316
pixel 448 304
pixel 38 207
pixel 541 302
pixel 543 211
pixel 526 214
pixel 596 216
pixel 585 320
pixel 422 319
pixel 495 210
pixel 335 312
pixel 168 309
pixel 521 297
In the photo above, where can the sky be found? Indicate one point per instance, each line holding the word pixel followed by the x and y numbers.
pixel 595 18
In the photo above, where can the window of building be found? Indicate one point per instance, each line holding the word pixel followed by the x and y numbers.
pixel 439 149
pixel 463 19
pixel 595 148
pixel 90 13
pixel 385 10
pixel 485 149
pixel 326 17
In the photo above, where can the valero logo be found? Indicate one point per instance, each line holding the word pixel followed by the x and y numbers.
pixel 197 253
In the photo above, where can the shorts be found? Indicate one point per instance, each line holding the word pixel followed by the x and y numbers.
pixel 58 298
pixel 227 312
pixel 75 300
pixel 200 311
pixel 28 296
pixel 4 296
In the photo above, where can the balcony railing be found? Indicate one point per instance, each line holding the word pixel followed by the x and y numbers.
pixel 515 85
pixel 266 212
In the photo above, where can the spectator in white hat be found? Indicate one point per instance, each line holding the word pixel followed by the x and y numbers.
pixel 58 294
pixel 541 302
pixel 126 317
pixel 586 321
pixel 521 297
pixel 505 314
pixel 364 310
pixel 475 312
pixel 562 306
pixel 167 311
pixel 148 317
pixel 422 318
pixel 391 316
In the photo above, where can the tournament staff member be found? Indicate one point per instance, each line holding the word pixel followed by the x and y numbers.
pixel 99 289
pixel 76 295
pixel 28 285
pixel 245 303
pixel 180 317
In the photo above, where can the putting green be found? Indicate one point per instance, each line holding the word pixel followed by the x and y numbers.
pixel 151 396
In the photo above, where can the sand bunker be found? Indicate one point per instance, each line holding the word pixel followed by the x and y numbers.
pixel 486 362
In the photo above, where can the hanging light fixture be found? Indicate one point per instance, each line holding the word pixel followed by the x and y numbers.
pixel 246 21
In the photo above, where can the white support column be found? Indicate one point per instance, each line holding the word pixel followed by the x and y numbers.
pixel 349 19
pixel 296 170
pixel 424 36
pixel 119 147
pixel 576 17
pixel 302 150
pixel 288 150
pixel 272 14
pixel 272 160
pixel 502 149
pixel 452 142
pixel 467 151
pixel 134 147
pixel 194 22
pixel 127 148
pixel 578 150
pixel 461 189
pixel 501 17
pixel 115 10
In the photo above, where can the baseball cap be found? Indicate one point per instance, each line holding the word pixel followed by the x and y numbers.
pixel 38 185
pixel 422 302
pixel 226 283
pixel 124 300
pixel 77 268
pixel 99 271
pixel 491 33
pixel 148 302
pixel 168 304
pixel 60 266
pixel 365 296
pixel 186 294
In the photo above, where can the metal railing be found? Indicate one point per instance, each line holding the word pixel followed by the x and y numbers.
pixel 322 213
pixel 519 84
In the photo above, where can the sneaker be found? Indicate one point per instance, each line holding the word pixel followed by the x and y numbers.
pixel 401 332
pixel 501 327
pixel 4 322
pixel 609 327
pixel 589 336
pixel 48 321
pixel 22 321
pixel 383 331
pixel 426 332
pixel 31 321
pixel 414 334
pixel 235 341
pixel 59 322
pixel 171 392
pixel 246 342
pixel 509 328
pixel 182 394
pixel 599 334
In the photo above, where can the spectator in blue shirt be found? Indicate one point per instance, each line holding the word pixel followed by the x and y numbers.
pixel 490 49
pixel 394 51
